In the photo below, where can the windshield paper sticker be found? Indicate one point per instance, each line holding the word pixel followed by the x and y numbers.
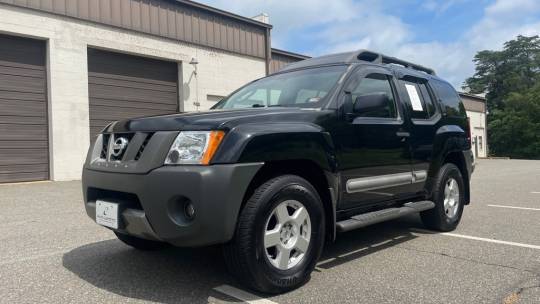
pixel 413 96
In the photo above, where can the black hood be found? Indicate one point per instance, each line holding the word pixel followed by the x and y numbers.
pixel 211 120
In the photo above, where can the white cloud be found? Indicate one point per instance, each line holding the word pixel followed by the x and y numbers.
pixel 344 25
pixel 439 6
pixel 514 7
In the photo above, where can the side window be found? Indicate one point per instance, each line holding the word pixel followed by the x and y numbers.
pixel 376 84
pixel 449 98
pixel 420 99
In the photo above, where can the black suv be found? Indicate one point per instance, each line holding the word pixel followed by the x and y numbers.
pixel 277 168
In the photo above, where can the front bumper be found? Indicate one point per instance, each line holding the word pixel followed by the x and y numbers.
pixel 151 205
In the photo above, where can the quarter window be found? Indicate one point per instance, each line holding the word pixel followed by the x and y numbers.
pixel 376 84
pixel 449 98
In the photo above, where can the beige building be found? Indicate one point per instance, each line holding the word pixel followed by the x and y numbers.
pixel 68 68
pixel 476 111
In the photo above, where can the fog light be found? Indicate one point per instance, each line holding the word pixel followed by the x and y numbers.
pixel 189 210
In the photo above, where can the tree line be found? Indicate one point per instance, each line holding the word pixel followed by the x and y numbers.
pixel 510 78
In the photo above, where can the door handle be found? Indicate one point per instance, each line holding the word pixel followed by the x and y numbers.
pixel 403 134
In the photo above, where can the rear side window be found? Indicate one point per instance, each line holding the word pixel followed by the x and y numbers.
pixel 420 99
pixel 449 98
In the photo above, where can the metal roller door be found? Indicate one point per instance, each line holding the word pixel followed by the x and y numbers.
pixel 124 86
pixel 24 145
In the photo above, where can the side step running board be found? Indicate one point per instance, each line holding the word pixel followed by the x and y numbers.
pixel 370 218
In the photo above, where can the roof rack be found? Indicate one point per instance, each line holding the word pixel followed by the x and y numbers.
pixel 370 56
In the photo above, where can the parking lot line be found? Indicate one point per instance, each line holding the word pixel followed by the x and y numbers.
pixel 514 207
pixel 537 247
pixel 242 295
pixel 535 192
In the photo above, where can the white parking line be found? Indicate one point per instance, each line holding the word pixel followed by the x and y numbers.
pixel 478 238
pixel 513 207
pixel 535 192
pixel 242 295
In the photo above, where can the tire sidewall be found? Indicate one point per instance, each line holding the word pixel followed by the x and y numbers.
pixel 450 171
pixel 291 188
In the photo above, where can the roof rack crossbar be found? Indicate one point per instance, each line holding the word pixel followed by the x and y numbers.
pixel 383 59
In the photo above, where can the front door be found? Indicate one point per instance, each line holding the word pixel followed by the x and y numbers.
pixel 374 155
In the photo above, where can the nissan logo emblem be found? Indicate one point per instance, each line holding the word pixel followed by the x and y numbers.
pixel 119 145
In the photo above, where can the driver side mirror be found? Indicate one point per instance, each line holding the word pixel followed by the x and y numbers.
pixel 370 103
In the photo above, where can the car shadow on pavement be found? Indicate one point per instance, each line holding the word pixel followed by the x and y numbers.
pixel 172 275
pixel 188 275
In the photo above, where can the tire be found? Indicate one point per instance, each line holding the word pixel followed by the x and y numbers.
pixel 257 266
pixel 446 218
pixel 138 243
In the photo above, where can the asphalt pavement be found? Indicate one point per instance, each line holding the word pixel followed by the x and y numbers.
pixel 51 252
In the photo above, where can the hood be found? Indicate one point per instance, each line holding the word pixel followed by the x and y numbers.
pixel 210 120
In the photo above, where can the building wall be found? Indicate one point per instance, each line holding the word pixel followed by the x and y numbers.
pixel 476 111
pixel 182 20
pixel 478 133
pixel 280 59
pixel 218 73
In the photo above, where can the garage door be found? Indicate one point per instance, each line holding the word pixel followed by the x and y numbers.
pixel 124 86
pixel 24 152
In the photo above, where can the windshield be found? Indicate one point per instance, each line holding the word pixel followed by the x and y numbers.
pixel 301 88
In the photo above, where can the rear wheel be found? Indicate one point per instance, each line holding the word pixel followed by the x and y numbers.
pixel 139 243
pixel 449 199
pixel 279 237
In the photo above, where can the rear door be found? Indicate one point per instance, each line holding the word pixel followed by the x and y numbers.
pixel 373 150
pixel 425 115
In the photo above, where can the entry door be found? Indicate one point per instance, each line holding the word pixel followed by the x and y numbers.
pixel 374 156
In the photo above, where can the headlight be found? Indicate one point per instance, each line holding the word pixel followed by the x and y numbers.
pixel 194 147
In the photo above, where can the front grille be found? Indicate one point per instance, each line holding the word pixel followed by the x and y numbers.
pixel 104 146
pixel 124 146
pixel 145 142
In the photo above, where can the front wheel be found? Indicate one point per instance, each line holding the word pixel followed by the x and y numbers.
pixel 449 198
pixel 279 236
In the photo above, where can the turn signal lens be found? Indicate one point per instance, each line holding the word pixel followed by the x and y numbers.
pixel 213 143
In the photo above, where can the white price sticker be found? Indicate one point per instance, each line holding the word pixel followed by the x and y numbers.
pixel 413 96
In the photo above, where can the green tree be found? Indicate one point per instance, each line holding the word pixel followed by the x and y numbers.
pixel 510 78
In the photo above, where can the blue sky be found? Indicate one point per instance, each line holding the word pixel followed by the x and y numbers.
pixel 443 34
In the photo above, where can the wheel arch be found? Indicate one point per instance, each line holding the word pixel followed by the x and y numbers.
pixel 449 144
pixel 324 182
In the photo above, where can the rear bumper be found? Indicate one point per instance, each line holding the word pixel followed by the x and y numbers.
pixel 151 205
